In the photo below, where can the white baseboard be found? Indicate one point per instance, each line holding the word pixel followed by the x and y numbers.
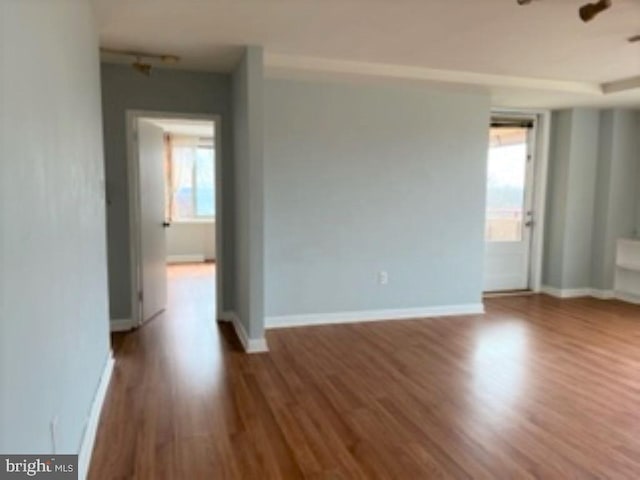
pixel 603 294
pixel 566 292
pixel 627 297
pixel 121 324
pixel 91 428
pixel 577 292
pixel 373 315
pixel 190 258
pixel 250 345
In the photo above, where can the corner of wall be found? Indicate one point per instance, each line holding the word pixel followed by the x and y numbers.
pixel 247 88
pixel 595 201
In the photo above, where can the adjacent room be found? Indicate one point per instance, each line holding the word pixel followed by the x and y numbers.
pixel 190 208
pixel 328 240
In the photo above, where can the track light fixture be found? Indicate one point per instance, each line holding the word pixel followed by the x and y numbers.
pixel 139 64
pixel 143 68
pixel 587 12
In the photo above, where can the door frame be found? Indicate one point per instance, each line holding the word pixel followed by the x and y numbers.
pixel 540 154
pixel 133 173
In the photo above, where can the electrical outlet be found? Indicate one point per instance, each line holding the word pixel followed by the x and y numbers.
pixel 383 277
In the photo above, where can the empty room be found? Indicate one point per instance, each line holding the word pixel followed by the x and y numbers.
pixel 289 239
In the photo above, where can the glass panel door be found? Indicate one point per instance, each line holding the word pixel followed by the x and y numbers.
pixel 509 216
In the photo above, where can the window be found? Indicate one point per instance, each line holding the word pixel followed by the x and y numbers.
pixel 191 178
pixel 506 174
pixel 204 200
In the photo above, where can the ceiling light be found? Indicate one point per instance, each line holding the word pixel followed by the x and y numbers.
pixel 589 11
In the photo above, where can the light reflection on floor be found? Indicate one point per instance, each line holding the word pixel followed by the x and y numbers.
pixel 197 358
pixel 499 366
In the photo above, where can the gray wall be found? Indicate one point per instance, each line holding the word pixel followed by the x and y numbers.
pixel 247 87
pixel 192 238
pixel 166 91
pixel 601 208
pixel 593 195
pixel 580 191
pixel 366 178
pixel 559 156
pixel 618 187
pixel 54 334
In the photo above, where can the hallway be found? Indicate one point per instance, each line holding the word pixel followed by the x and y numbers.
pixel 162 417
pixel 536 388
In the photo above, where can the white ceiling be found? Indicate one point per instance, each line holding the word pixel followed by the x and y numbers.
pixel 191 128
pixel 535 55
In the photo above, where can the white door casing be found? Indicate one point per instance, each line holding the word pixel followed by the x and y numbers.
pixel 133 169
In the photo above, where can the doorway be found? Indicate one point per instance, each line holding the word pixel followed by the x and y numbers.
pixel 510 207
pixel 175 213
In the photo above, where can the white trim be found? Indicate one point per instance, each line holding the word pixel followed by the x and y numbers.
pixel 627 297
pixel 285 64
pixel 621 85
pixel 134 209
pixel 602 294
pixel 578 292
pixel 132 116
pixel 250 345
pixel 121 324
pixel 187 258
pixel 282 64
pixel 542 152
pixel 91 428
pixel 566 292
pixel 286 321
pixel 219 214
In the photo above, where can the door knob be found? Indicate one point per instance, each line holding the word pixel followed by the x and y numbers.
pixel 166 224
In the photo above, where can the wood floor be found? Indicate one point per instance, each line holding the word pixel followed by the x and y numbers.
pixel 536 388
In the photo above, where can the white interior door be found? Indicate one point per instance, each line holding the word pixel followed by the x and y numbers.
pixel 509 215
pixel 153 249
